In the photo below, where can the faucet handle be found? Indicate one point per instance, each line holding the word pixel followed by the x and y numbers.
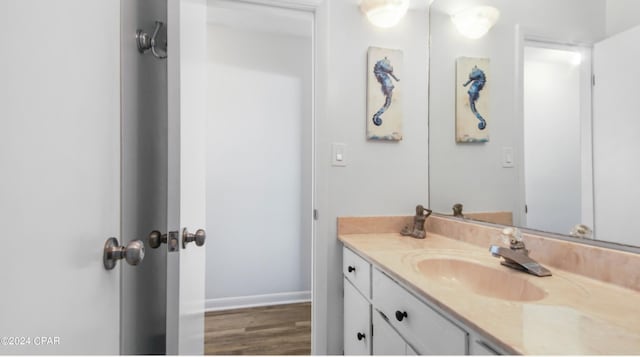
pixel 513 237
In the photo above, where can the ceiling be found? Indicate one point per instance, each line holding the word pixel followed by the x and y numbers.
pixel 414 5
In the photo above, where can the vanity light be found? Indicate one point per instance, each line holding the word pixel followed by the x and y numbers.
pixel 475 22
pixel 384 13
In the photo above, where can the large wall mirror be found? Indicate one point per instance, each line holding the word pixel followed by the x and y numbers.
pixel 556 84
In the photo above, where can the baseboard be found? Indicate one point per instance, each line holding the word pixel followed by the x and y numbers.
pixel 257 300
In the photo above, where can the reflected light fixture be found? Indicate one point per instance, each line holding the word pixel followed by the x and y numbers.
pixel 475 22
pixel 576 58
pixel 384 13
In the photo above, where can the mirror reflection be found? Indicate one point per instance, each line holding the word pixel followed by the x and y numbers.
pixel 558 149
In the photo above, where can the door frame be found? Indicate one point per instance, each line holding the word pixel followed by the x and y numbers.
pixel 319 9
pixel 528 37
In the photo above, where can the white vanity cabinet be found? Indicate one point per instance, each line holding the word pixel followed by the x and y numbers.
pixel 357 306
pixel 358 271
pixel 387 341
pixel 422 327
pixel 381 317
pixel 479 347
pixel 357 322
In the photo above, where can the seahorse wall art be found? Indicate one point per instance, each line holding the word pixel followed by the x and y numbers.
pixel 477 79
pixel 384 115
pixel 383 70
pixel 472 98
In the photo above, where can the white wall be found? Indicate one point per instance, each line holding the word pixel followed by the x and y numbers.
pixel 259 97
pixel 622 15
pixel 552 131
pixel 381 178
pixel 615 143
pixel 472 173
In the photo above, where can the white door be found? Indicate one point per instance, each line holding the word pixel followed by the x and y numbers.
pixel 60 176
pixel 553 122
pixel 615 131
pixel 186 63
pixel 143 185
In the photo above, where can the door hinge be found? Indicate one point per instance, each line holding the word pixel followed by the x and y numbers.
pixel 315 214
pixel 526 209
pixel 593 80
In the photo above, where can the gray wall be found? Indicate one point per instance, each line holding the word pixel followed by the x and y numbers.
pixel 258 123
pixel 381 178
pixel 552 137
pixel 472 173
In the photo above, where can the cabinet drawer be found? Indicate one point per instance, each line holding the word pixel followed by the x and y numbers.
pixel 357 270
pixel 481 348
pixel 357 322
pixel 424 328
pixel 386 341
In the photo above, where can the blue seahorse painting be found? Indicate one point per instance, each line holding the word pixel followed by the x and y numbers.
pixel 383 70
pixel 478 79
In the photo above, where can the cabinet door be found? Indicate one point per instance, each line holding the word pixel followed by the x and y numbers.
pixel 387 341
pixel 357 322
pixel 411 351
pixel 481 348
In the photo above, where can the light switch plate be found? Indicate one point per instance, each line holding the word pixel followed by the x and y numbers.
pixel 338 154
pixel 507 156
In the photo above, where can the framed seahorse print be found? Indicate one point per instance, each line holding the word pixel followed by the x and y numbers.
pixel 384 94
pixel 472 100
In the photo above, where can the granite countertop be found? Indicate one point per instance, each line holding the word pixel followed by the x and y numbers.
pixel 568 313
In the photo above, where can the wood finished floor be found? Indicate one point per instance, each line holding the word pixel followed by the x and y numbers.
pixel 268 330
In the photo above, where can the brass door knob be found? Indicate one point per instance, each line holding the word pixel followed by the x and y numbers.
pixel 133 253
pixel 199 237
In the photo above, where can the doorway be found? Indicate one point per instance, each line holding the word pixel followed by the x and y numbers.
pixel 259 179
pixel 557 136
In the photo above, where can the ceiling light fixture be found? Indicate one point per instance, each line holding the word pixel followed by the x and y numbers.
pixel 576 58
pixel 384 13
pixel 475 22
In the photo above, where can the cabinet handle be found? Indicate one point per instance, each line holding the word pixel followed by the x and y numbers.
pixel 361 336
pixel 351 269
pixel 400 315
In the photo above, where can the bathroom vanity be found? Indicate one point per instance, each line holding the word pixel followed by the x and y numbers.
pixel 447 295
pixel 397 322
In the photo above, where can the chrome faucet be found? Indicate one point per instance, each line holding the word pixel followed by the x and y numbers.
pixel 517 255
